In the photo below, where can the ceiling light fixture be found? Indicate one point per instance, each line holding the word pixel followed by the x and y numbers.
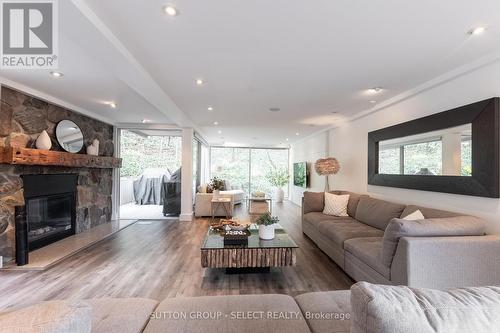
pixel 219 131
pixel 210 108
pixel 374 90
pixel 373 101
pixel 199 82
pixel 170 10
pixel 111 104
pixel 477 31
pixel 145 121
pixel 297 134
pixel 57 74
pixel 216 123
pixel 287 139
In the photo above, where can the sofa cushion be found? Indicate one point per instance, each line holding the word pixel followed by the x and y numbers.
pixel 313 202
pixel 327 311
pixel 367 249
pixel 48 317
pixel 124 315
pixel 342 230
pixel 438 227
pixel 315 218
pixel 377 308
pixel 377 213
pixel 429 213
pixel 242 313
pixel 353 201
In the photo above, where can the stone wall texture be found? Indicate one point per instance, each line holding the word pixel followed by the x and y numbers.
pixel 20 125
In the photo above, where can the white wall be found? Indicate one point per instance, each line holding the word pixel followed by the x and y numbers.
pixel 348 143
pixel 308 150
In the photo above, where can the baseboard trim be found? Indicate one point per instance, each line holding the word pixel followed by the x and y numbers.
pixel 186 217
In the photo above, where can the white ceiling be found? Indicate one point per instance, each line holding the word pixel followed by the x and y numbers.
pixel 307 58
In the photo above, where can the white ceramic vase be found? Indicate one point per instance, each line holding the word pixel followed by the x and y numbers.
pixel 43 141
pixel 216 194
pixel 266 232
pixel 280 195
pixel 93 149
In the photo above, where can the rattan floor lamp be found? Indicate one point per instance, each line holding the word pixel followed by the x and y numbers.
pixel 326 167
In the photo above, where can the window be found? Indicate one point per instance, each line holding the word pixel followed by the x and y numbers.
pixel 232 164
pixel 248 168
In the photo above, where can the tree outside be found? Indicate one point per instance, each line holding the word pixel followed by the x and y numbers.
pixel 140 152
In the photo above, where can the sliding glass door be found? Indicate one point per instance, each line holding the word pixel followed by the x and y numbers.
pixel 251 169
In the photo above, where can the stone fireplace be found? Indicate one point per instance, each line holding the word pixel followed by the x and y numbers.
pixel 20 124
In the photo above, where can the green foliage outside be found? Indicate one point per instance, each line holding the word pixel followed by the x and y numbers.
pixel 278 177
pixel 139 153
pixel 422 155
pixel 249 169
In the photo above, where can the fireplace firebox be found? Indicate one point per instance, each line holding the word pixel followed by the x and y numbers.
pixel 49 213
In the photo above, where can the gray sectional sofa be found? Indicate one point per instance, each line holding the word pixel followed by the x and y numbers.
pixel 366 308
pixel 375 244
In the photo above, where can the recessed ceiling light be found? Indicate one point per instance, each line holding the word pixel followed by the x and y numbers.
pixel 297 134
pixel 216 123
pixel 373 101
pixel 210 108
pixel 57 74
pixel 477 31
pixel 199 82
pixel 274 109
pixel 374 90
pixel 111 104
pixel 287 139
pixel 170 10
pixel 219 131
pixel 145 121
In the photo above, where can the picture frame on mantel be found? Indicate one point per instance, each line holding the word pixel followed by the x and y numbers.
pixel 485 179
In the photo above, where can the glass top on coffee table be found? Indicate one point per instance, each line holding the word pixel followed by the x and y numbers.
pixel 215 240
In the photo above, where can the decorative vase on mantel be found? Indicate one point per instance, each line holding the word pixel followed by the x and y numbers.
pixel 43 141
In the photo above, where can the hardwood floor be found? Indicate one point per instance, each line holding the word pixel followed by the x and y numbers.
pixel 159 259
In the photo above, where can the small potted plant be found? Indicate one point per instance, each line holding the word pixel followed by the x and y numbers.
pixel 266 224
pixel 278 177
pixel 217 185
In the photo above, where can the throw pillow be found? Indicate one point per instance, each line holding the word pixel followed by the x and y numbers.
pixel 336 205
pixel 202 188
pixel 416 215
pixel 50 317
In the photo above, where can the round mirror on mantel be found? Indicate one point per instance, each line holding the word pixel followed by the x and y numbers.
pixel 69 136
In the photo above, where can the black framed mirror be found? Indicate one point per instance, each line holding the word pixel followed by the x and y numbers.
pixel 456 151
pixel 69 136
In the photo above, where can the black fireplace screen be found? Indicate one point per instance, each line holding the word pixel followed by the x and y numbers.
pixel 47 217
pixel 50 211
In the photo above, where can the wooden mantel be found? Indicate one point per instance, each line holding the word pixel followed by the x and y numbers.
pixel 27 156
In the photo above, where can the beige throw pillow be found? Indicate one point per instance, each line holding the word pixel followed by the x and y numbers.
pixel 336 205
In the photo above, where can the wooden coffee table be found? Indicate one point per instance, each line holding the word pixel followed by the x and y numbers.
pixel 259 255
